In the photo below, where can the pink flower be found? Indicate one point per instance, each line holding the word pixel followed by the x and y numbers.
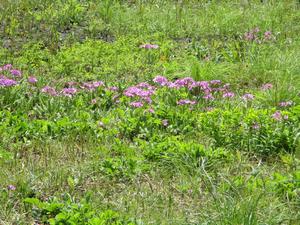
pixel 113 88
pixel 147 99
pixel 94 101
pixel 277 115
pixel 228 95
pixel 255 126
pixel 185 82
pixel 16 73
pixel 256 30
pixel 145 85
pixel 249 36
pixel 160 80
pixel 91 86
pixel 267 86
pixel 69 92
pixel 71 83
pixel 7 67
pixel 204 85
pixel 286 104
pixel 98 84
pixel 32 80
pixel 151 110
pixel 215 82
pixel 49 90
pixel 208 97
pixel 149 46
pixel 186 102
pixel 165 123
pixel 5 82
pixel 141 90
pixel 247 97
pixel 11 187
pixel 268 35
pixel 136 104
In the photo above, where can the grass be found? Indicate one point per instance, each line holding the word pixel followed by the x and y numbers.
pixel 91 157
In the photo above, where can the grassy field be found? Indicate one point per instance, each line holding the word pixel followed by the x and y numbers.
pixel 149 112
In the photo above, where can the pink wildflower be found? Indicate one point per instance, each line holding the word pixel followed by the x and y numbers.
pixel 267 86
pixel 91 86
pixel 7 67
pixel 247 97
pixel 69 92
pixel 151 110
pixel 255 126
pixel 49 90
pixel 16 73
pixel 137 104
pixel 215 82
pixel 208 97
pixel 186 102
pixel 160 80
pixel 228 95
pixel 11 187
pixel 165 123
pixel 5 82
pixel 268 35
pixel 286 104
pixel 277 115
pixel 32 80
pixel 113 88
pixel 149 46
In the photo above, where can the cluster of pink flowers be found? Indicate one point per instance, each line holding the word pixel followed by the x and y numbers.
pixel 255 126
pixel 186 102
pixel 32 80
pixel 255 35
pixel 137 104
pixel 6 82
pixel 266 86
pixel 251 35
pixel 165 122
pixel 278 116
pixel 9 68
pixel 149 46
pixel 12 76
pixel 189 83
pixel 11 187
pixel 248 97
pixel 163 81
pixel 228 95
pixel 71 88
pixel 68 92
pixel 205 89
pixel 49 90
pixel 141 92
pixel 286 104
pixel 91 86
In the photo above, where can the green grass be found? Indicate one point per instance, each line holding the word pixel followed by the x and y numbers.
pixel 74 162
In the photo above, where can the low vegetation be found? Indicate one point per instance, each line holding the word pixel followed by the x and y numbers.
pixel 149 112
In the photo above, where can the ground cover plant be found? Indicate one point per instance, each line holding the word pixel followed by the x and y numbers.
pixel 149 112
